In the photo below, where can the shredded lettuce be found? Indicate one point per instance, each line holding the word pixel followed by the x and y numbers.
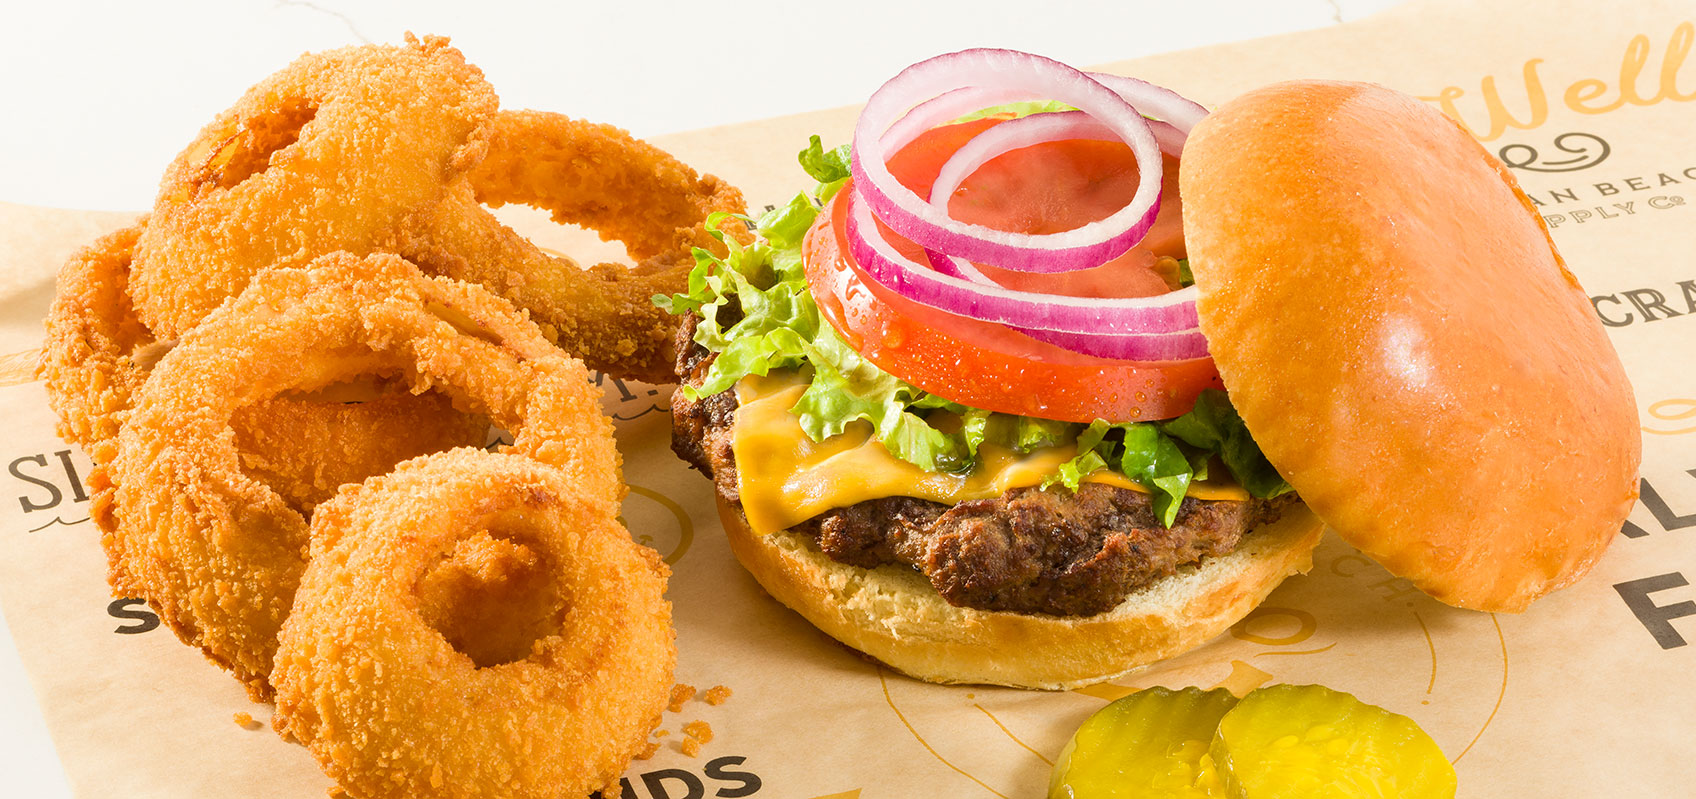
pixel 757 315
pixel 1166 457
pixel 780 328
pixel 1214 426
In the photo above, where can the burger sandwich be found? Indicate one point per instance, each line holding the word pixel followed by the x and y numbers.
pixel 1055 373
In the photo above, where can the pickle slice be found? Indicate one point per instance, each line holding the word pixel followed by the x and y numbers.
pixel 1153 744
pixel 1312 742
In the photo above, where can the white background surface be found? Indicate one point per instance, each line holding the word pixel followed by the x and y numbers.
pixel 99 96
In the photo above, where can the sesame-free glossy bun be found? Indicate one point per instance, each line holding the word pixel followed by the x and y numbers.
pixel 894 615
pixel 1395 327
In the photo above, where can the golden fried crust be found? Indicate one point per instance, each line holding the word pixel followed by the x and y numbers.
pixel 328 154
pixel 387 704
pixel 92 358
pixel 398 149
pixel 1397 330
pixel 97 354
pixel 601 178
pixel 491 598
pixel 217 552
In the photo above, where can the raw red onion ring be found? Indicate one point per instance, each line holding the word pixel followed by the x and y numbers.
pixel 1040 79
pixel 1177 110
pixel 1110 108
pixel 945 108
pixel 1025 132
pixel 1167 313
pixel 1178 346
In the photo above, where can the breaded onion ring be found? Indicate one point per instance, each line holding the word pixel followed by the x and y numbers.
pixel 328 154
pixel 599 177
pixel 97 354
pixel 391 709
pixel 398 148
pixel 218 553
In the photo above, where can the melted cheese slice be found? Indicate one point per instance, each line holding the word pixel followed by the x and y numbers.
pixel 786 478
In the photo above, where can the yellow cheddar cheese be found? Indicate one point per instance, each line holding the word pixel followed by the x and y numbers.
pixel 786 478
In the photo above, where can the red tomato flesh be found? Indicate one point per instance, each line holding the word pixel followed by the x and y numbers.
pixel 1046 188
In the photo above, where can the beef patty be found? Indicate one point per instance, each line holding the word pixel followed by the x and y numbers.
pixel 1030 550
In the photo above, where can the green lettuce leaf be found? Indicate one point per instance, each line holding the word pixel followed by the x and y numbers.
pixel 1214 426
pixel 1018 109
pixel 829 167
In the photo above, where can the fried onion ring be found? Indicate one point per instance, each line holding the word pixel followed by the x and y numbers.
pixel 599 177
pixel 390 708
pixel 398 148
pixel 331 153
pixel 97 354
pixel 218 553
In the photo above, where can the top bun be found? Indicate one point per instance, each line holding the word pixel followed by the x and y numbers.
pixel 1395 327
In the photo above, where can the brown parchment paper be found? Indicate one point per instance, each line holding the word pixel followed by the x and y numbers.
pixel 1589 693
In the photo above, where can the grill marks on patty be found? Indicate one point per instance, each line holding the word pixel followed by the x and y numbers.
pixel 1056 552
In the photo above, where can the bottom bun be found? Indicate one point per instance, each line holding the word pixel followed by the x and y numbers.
pixel 891 613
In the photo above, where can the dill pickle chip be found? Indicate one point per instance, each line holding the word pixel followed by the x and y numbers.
pixel 1151 744
pixel 1307 741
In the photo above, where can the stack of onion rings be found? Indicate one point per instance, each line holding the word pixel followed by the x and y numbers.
pixel 205 358
pixel 391 709
pixel 397 149
pixel 218 553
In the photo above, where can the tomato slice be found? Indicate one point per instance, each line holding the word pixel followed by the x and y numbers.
pixel 991 366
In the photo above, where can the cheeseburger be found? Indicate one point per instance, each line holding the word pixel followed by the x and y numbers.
pixel 1057 373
